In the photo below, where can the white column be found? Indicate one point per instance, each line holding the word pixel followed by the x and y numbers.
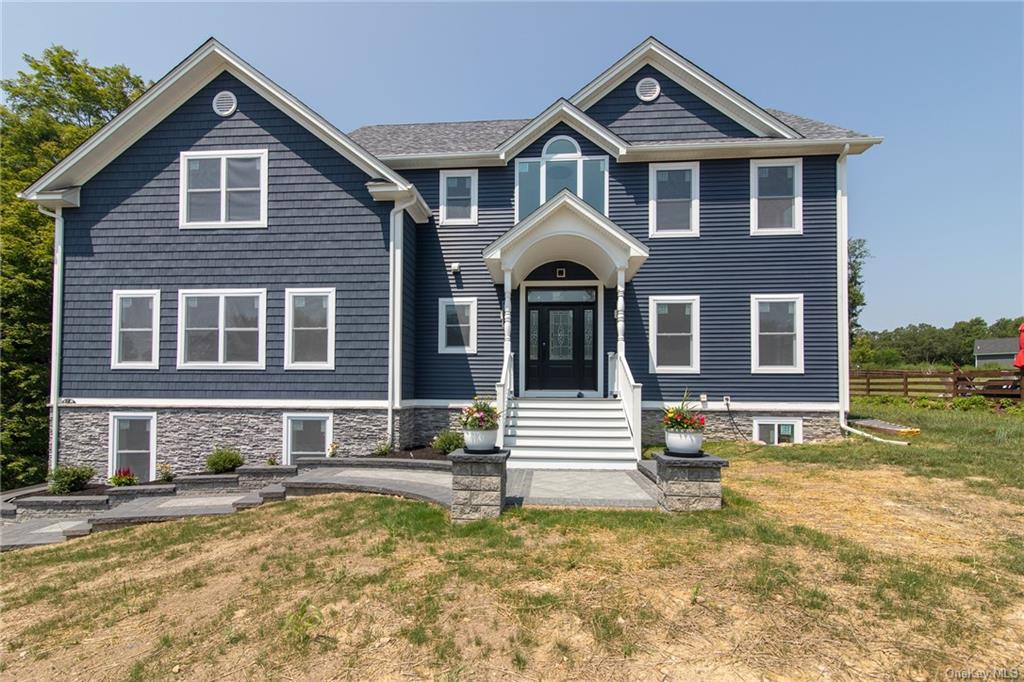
pixel 620 313
pixel 506 314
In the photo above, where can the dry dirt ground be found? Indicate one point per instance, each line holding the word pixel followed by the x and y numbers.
pixel 810 572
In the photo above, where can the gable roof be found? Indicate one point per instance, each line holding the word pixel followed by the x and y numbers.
pixel 562 111
pixel 184 80
pixel 1004 346
pixel 695 79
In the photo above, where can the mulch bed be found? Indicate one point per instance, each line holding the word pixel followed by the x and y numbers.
pixel 91 489
pixel 418 453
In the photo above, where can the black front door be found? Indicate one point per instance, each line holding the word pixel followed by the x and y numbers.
pixel 561 339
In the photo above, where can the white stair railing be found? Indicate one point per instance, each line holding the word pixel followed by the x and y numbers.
pixel 630 393
pixel 504 391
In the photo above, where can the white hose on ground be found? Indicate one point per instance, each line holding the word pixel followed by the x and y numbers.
pixel 846 427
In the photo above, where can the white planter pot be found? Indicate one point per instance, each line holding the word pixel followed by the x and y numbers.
pixel 480 441
pixel 684 442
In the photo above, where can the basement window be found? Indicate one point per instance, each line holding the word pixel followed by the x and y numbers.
pixel 778 431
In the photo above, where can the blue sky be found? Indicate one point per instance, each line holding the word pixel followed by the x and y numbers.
pixel 940 202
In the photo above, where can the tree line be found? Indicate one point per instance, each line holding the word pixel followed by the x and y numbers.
pixel 918 345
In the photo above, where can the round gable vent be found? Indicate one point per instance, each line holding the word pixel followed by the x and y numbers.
pixel 225 103
pixel 648 89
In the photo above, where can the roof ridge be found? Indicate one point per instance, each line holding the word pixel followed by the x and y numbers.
pixel 428 123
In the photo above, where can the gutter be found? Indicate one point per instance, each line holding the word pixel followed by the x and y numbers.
pixel 395 285
pixel 56 326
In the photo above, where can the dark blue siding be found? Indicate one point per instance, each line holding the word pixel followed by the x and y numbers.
pixel 324 230
pixel 677 113
pixel 409 309
pixel 724 266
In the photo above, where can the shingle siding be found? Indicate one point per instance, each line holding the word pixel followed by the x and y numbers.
pixel 676 114
pixel 324 230
pixel 724 266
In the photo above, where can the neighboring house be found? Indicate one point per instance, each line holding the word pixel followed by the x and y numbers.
pixel 999 352
pixel 233 270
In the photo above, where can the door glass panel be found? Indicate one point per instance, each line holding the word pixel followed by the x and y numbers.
pixel 561 296
pixel 560 333
pixel 588 334
pixel 534 334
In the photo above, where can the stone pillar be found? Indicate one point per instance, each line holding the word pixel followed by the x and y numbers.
pixel 506 315
pixel 478 485
pixel 620 313
pixel 690 483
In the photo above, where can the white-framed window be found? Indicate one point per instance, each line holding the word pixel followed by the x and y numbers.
pixel 561 166
pixel 674 199
pixel 458 197
pixel 309 328
pixel 776 196
pixel 777 431
pixel 133 444
pixel 675 334
pixel 226 188
pixel 777 333
pixel 135 329
pixel 456 325
pixel 307 435
pixel 222 328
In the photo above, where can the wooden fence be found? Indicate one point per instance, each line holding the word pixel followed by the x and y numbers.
pixel 990 383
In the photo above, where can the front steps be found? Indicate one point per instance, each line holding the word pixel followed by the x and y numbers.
pixel 568 433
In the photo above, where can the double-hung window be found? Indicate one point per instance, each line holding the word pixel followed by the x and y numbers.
pixel 307 435
pixel 309 329
pixel 675 334
pixel 458 197
pixel 223 189
pixel 674 203
pixel 133 444
pixel 135 334
pixel 222 328
pixel 776 196
pixel 456 325
pixel 778 431
pixel 777 333
pixel 561 167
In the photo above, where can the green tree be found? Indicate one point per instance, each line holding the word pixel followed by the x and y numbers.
pixel 50 108
pixel 857 253
pixel 1005 327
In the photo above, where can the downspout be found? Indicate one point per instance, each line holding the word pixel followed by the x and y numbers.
pixel 842 253
pixel 395 284
pixel 56 326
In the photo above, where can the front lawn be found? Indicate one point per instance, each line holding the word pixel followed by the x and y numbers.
pixel 841 560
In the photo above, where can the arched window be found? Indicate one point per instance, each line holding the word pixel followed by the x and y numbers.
pixel 561 166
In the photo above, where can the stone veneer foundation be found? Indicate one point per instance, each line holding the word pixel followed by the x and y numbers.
pixel 817 426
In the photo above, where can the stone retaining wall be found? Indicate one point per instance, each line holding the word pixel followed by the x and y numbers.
pixel 817 426
pixel 184 437
pixel 478 485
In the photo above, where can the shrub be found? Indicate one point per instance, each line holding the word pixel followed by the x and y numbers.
pixel 123 477
pixel 224 460
pixel 480 415
pixel 164 472
pixel 382 449
pixel 68 479
pixel 930 404
pixel 272 461
pixel 974 402
pixel 448 441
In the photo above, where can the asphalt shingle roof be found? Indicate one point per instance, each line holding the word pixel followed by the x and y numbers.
pixel 481 136
pixel 996 346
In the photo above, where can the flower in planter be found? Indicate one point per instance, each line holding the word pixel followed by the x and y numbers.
pixel 123 477
pixel 480 415
pixel 682 418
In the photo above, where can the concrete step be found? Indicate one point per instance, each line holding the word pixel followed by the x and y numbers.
pixel 572 453
pixel 272 492
pixel 568 403
pixel 573 441
pixel 567 431
pixel 542 413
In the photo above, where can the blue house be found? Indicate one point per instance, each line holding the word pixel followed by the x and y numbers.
pixel 233 270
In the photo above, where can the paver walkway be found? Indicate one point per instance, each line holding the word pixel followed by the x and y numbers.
pixel 33 532
pixel 429 485
pixel 580 488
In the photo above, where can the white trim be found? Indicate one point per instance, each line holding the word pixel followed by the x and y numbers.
pixel 226 403
pixel 448 404
pixel 798 198
pixel 115 328
pixel 652 201
pixel 562 111
pixel 289 294
pixel 261 363
pixel 223 155
pixel 442 345
pixel 652 337
pixel 169 93
pixel 755 320
pixel 687 74
pixel 797 423
pixel 286 440
pixel 843 309
pixel 112 440
pixel 739 406
pixel 443 193
pixel 599 359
